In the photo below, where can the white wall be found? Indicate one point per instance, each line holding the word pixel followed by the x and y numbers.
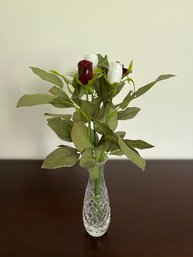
pixel 157 35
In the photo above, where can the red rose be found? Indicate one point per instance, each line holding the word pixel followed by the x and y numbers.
pixel 85 71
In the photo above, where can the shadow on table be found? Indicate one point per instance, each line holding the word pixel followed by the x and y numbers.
pixel 97 246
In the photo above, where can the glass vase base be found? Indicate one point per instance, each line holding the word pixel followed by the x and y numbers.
pixel 96 234
pixel 97 231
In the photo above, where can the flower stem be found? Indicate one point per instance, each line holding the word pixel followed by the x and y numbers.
pixel 97 194
pixel 69 90
pixel 89 122
pixel 94 128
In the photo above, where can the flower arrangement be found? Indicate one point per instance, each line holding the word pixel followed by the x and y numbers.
pixel 91 128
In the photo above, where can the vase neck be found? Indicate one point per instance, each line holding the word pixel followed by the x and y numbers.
pixel 97 171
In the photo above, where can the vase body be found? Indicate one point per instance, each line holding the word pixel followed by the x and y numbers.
pixel 96 207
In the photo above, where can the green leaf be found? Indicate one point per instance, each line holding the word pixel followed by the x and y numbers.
pixel 64 156
pixel 111 116
pixel 88 108
pixel 130 68
pixel 121 133
pixel 62 116
pixel 118 87
pixel 104 144
pixel 110 142
pixel 102 61
pixel 94 137
pixel 87 160
pixel 126 100
pixel 134 157
pixel 35 99
pixel 62 128
pixel 77 116
pixel 104 128
pixel 97 103
pixel 60 102
pixel 140 144
pixel 48 76
pixel 145 88
pixel 108 116
pixel 77 95
pixel 128 113
pixel 116 152
pixel 106 90
pixel 60 75
pixel 103 89
pixel 75 99
pixel 79 136
pixel 59 92
pixel 77 83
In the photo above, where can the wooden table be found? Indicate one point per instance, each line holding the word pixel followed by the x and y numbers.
pixel 152 212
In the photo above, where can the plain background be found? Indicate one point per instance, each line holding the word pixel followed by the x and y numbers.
pixel 157 35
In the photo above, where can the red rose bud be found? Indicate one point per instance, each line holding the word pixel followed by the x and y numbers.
pixel 85 71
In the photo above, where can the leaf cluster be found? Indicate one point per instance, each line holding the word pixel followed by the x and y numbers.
pixel 92 126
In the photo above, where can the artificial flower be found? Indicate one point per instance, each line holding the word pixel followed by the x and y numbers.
pixel 115 72
pixel 92 58
pixel 85 71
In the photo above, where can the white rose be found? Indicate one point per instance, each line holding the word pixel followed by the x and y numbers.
pixel 92 58
pixel 115 72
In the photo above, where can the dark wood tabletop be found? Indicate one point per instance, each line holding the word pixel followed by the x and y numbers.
pixel 152 212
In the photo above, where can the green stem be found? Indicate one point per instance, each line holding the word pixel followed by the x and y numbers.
pixel 83 113
pixel 96 186
pixel 89 122
pixel 69 90
pixel 96 197
pixel 96 181
pixel 94 128
pixel 101 158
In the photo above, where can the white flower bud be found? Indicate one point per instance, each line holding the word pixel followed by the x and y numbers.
pixel 115 72
pixel 92 58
